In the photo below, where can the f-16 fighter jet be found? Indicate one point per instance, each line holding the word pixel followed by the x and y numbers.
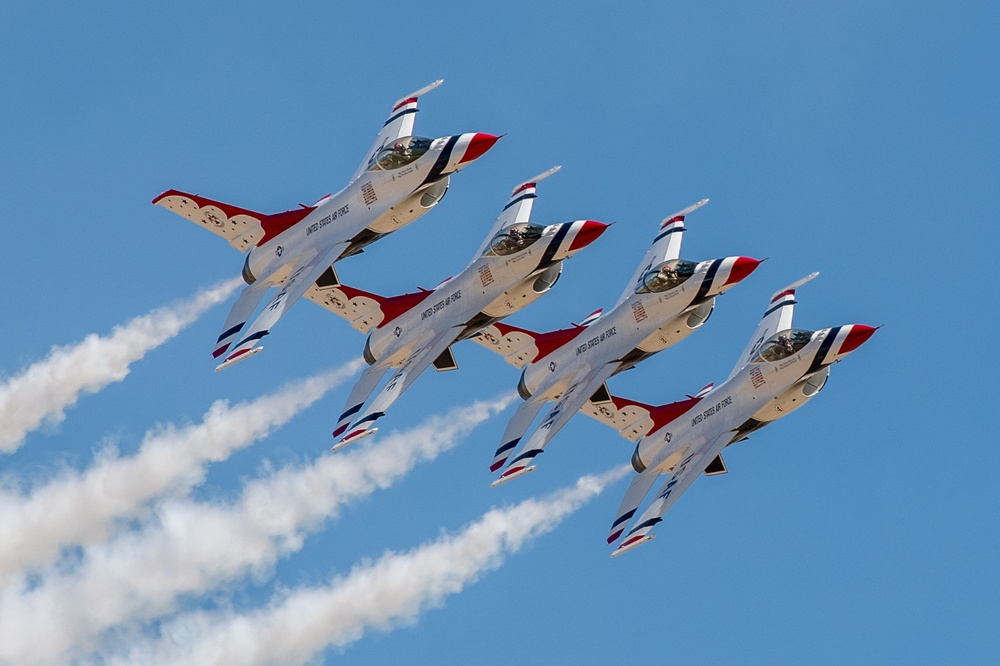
pixel 402 177
pixel 516 265
pixel 665 301
pixel 780 370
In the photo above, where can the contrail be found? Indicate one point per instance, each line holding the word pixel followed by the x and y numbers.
pixel 191 547
pixel 391 591
pixel 45 389
pixel 79 507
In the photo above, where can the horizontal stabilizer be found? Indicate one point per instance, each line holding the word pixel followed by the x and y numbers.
pixel 329 278
pixel 446 361
pixel 601 396
pixel 716 467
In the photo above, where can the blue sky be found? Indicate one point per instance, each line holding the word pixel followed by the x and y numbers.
pixel 856 139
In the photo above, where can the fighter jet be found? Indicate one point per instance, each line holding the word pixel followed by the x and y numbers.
pixel 666 300
pixel 402 177
pixel 518 263
pixel 780 370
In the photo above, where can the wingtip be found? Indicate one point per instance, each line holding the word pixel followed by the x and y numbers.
pixel 237 357
pixel 509 475
pixel 354 437
pixel 629 545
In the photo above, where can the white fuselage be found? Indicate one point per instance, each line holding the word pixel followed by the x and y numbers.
pixel 636 328
pixel 758 394
pixel 490 288
pixel 375 204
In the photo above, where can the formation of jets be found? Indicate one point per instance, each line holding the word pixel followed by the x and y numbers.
pixel 293 254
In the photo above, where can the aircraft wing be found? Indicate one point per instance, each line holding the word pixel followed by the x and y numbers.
pixel 301 278
pixel 399 124
pixel 408 372
pixel 516 345
pixel 518 207
pixel 241 227
pixel 629 417
pixel 361 309
pixel 679 480
pixel 568 404
pixel 637 490
pixel 777 317
pixel 665 247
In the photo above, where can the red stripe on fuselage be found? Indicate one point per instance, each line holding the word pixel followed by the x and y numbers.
pixel 274 225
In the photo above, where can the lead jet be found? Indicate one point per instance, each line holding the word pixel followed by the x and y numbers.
pixel 780 370
pixel 517 263
pixel 402 177
pixel 666 300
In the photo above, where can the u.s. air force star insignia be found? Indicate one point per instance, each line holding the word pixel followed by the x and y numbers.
pixel 397 332
pixel 552 366
pixel 214 219
pixel 278 251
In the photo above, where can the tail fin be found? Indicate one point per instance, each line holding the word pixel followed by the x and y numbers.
pixel 518 207
pixel 666 246
pixel 777 317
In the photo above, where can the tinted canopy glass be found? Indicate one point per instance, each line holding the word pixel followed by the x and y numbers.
pixel 782 345
pixel 399 153
pixel 515 238
pixel 666 276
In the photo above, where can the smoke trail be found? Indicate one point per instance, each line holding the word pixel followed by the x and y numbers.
pixel 380 595
pixel 45 389
pixel 78 507
pixel 191 547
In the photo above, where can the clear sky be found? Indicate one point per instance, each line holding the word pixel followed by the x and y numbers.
pixel 858 139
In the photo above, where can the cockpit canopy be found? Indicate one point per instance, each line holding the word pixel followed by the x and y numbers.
pixel 515 238
pixel 782 345
pixel 401 152
pixel 666 276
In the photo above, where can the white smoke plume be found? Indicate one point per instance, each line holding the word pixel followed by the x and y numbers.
pixel 79 507
pixel 192 547
pixel 380 595
pixel 44 390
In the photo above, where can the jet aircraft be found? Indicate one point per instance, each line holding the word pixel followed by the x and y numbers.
pixel 517 263
pixel 780 370
pixel 402 177
pixel 666 299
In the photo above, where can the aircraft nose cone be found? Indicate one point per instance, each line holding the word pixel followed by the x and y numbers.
pixel 587 234
pixel 742 267
pixel 858 336
pixel 478 144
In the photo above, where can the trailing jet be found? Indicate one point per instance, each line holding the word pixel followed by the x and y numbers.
pixel 518 262
pixel 402 177
pixel 780 370
pixel 666 300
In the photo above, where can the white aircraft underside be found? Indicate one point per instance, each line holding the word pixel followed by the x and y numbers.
pixel 666 299
pixel 780 370
pixel 401 178
pixel 516 265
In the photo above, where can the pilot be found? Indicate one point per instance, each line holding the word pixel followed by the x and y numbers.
pixel 401 148
pixel 785 343
pixel 516 236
